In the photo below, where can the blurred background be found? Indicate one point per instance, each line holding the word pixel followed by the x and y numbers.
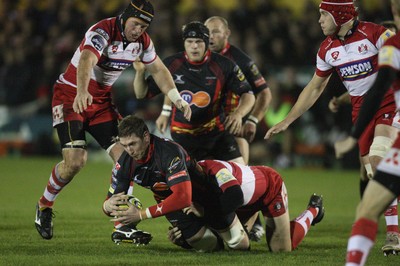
pixel 39 37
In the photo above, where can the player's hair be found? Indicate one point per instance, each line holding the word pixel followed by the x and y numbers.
pixel 223 21
pixel 132 125
pixel 389 24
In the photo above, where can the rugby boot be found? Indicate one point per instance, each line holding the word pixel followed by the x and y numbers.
pixel 44 221
pixel 129 234
pixel 392 244
pixel 317 202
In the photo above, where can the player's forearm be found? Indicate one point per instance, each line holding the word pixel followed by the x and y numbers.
pixel 246 103
pixel 86 63
pixel 140 86
pixel 307 98
pixel 344 98
pixel 179 199
pixel 263 100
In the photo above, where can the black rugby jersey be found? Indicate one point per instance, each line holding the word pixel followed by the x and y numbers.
pixel 205 86
pixel 166 165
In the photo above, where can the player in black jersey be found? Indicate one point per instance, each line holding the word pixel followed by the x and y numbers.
pixel 165 168
pixel 205 80
pixel 219 35
pixel 219 43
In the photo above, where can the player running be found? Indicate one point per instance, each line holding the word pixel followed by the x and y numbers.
pixel 82 100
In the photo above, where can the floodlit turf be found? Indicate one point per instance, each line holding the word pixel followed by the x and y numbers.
pixel 82 232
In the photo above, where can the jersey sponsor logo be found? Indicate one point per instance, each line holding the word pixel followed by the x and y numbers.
pixel 159 208
pixel 387 34
pixel 116 64
pixel 239 73
pixel 224 176
pixel 98 42
pixel 160 186
pixel 174 164
pixel 210 81
pixel 363 48
pixel 259 82
pixel 335 55
pixel 356 70
pixel 254 69
pixel 386 56
pixel 177 175
pixel 114 48
pixel 178 79
pixel 200 99
pixel 102 33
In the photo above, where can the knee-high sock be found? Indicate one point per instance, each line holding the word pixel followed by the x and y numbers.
pixel 391 218
pixel 300 226
pixel 54 186
pixel 362 239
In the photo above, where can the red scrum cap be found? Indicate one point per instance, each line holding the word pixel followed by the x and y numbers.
pixel 342 11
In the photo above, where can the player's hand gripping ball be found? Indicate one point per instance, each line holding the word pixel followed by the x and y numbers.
pixel 134 201
pixel 136 204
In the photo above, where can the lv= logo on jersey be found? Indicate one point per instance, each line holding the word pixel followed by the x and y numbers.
pixel 200 99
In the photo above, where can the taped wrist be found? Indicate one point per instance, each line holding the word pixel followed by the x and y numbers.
pixel 174 95
pixel 252 119
pixel 166 110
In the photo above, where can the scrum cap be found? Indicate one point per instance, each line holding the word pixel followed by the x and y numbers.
pixel 196 29
pixel 141 9
pixel 342 11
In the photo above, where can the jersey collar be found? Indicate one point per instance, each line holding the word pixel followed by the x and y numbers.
pixel 226 48
pixel 205 59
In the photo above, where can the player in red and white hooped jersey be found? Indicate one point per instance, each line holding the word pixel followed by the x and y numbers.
pixel 351 49
pixel 264 190
pixel 82 96
pixel 385 186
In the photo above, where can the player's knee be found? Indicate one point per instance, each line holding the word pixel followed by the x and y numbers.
pixel 74 161
pixel 380 146
pixel 236 237
pixel 205 242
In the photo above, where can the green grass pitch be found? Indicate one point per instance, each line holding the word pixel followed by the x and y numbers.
pixel 82 232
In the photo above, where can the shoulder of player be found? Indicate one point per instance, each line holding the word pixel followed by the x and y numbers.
pixel 393 41
pixel 166 147
pixel 238 54
pixel 169 59
pixel 223 61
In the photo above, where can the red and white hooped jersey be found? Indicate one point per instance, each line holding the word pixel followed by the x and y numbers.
pixel 255 181
pixel 355 59
pixel 105 40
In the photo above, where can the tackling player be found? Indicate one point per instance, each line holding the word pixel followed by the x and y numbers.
pixel 200 199
pixel 82 96
pixel 165 168
pixel 263 190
